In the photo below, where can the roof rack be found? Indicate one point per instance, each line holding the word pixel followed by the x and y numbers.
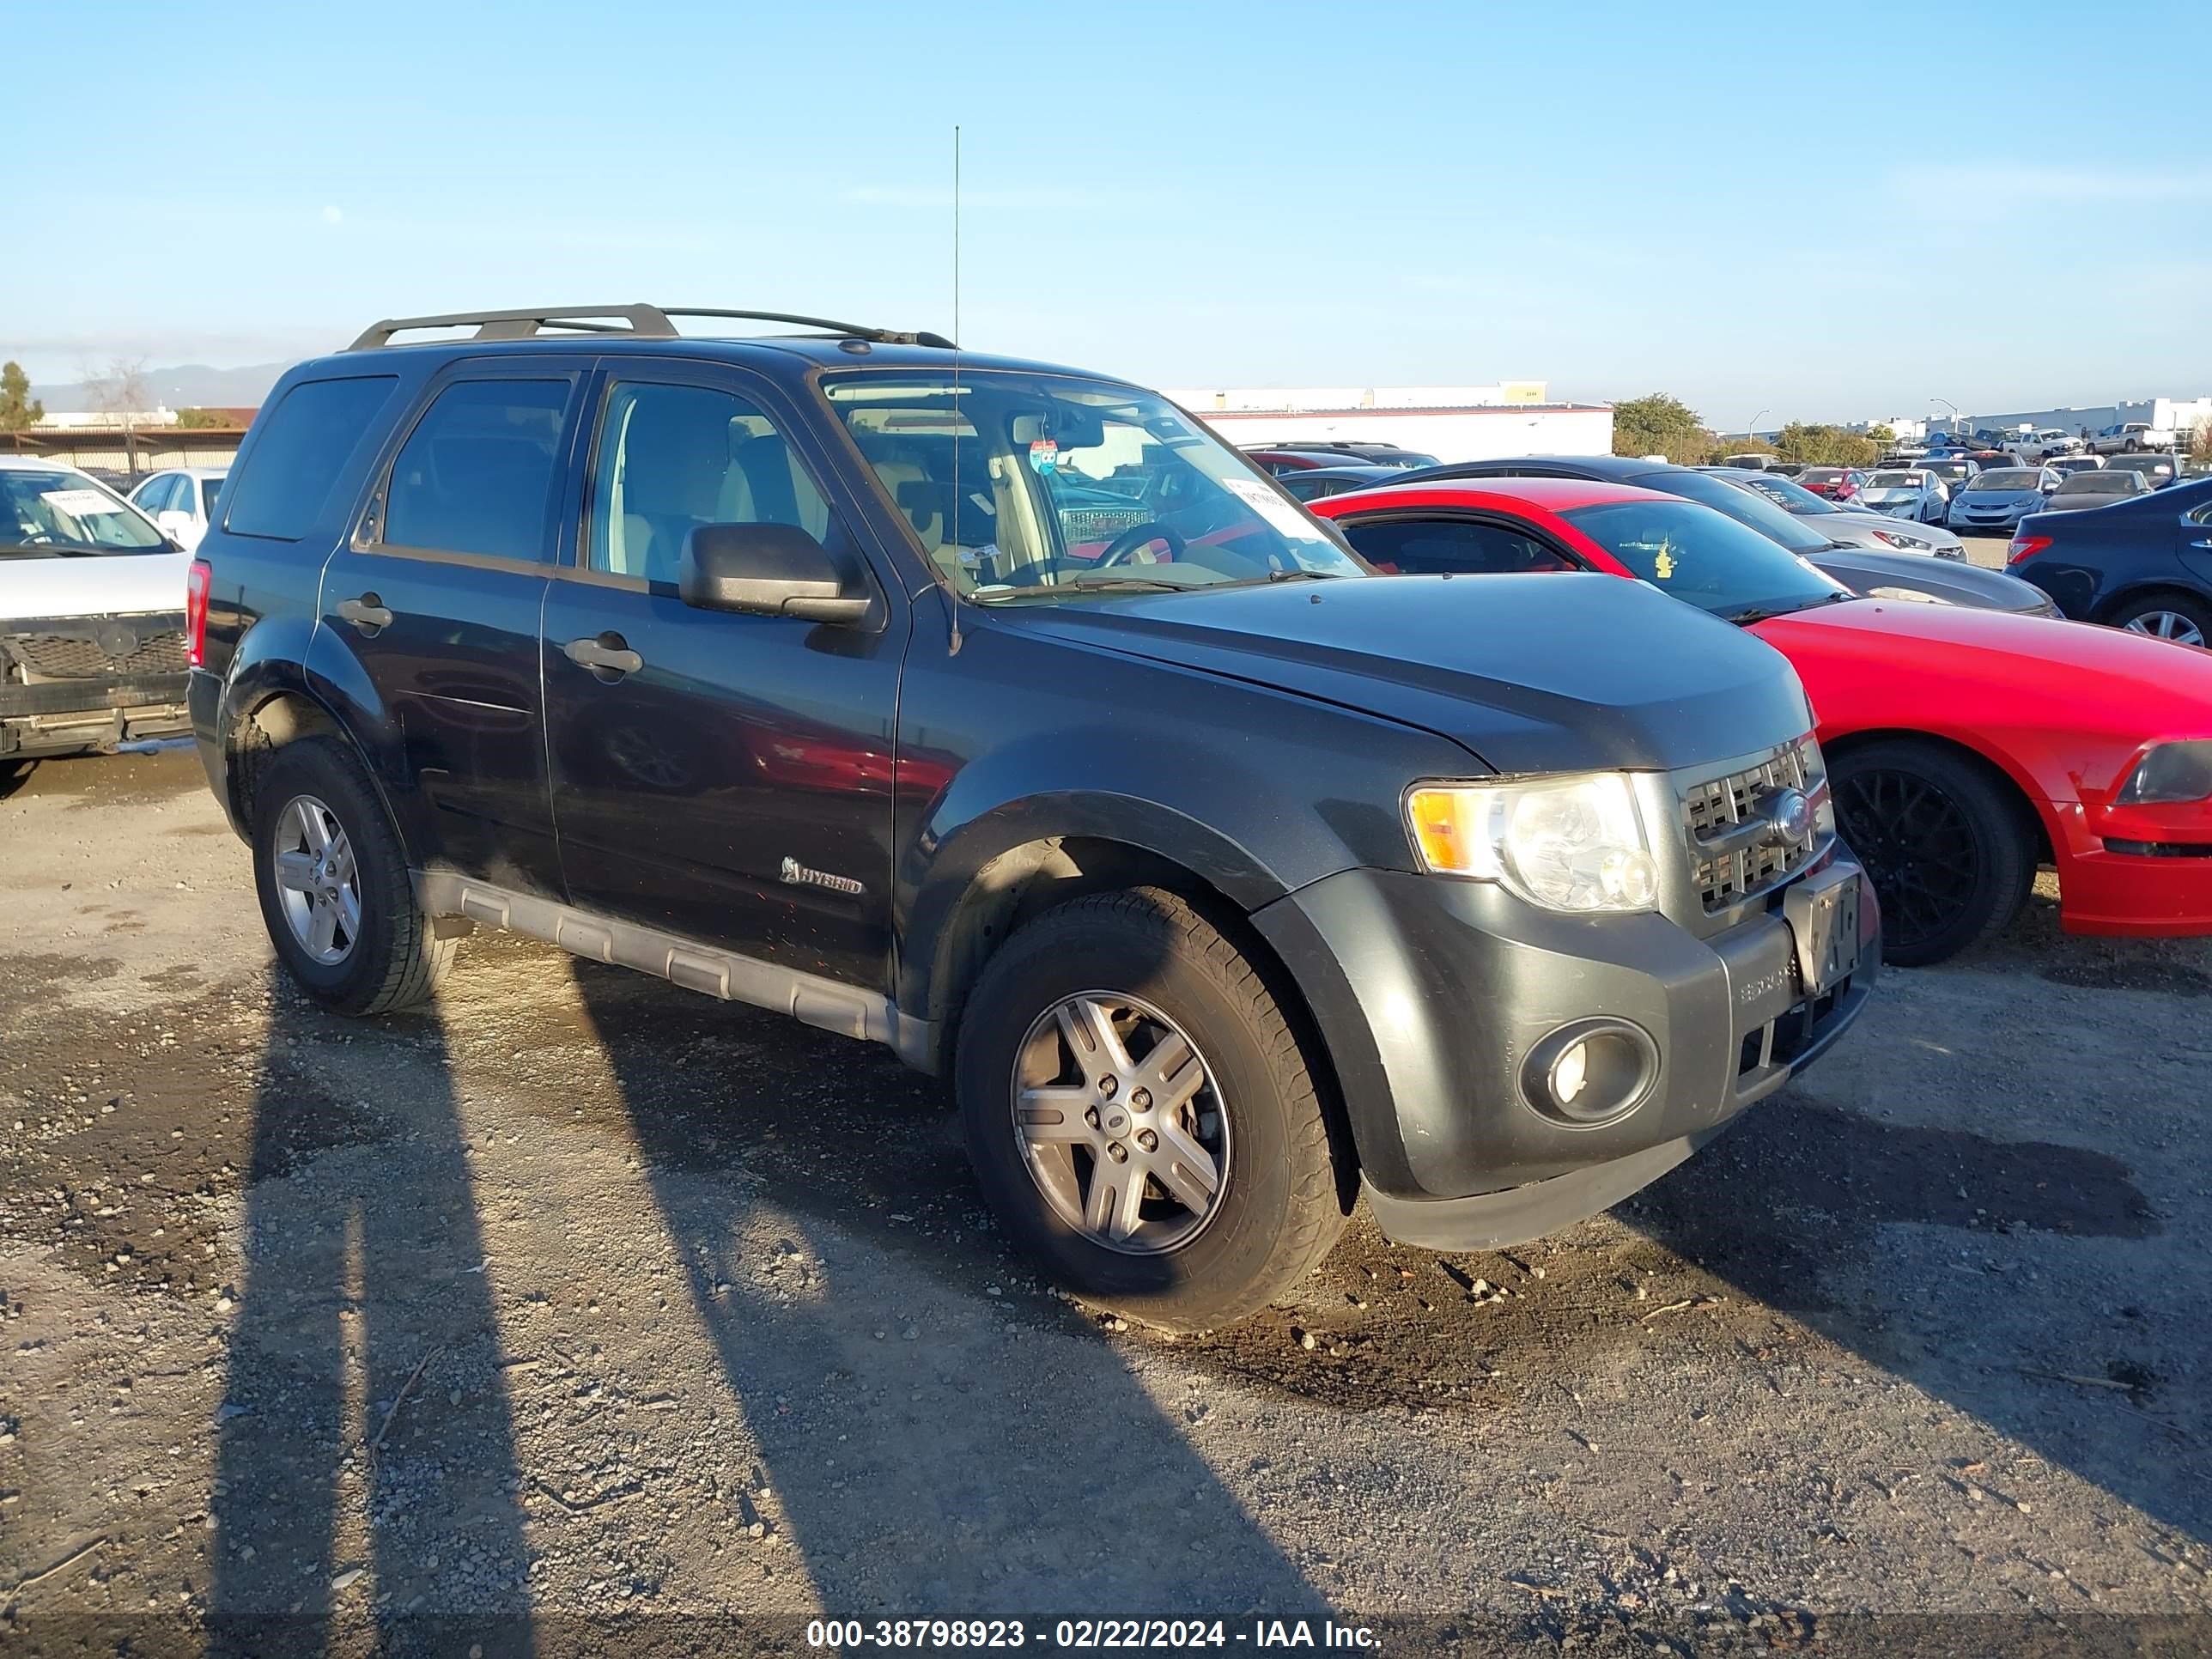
pixel 640 321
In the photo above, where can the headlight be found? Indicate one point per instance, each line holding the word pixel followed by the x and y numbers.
pixel 1898 538
pixel 1573 844
pixel 2172 772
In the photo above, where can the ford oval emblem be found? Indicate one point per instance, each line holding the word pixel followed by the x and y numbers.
pixel 1792 814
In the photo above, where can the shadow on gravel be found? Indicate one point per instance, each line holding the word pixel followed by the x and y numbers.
pixel 1787 1206
pixel 937 1446
pixel 364 1423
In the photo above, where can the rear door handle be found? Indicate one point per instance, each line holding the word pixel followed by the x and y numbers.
pixel 366 613
pixel 608 655
pixel 2203 542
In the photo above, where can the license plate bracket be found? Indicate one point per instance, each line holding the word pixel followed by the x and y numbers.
pixel 1823 914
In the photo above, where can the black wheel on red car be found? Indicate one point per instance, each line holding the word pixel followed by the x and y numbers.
pixel 1951 853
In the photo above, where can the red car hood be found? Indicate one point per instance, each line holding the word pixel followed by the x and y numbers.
pixel 1880 662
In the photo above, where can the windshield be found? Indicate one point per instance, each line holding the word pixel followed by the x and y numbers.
pixel 2008 478
pixel 1029 486
pixel 56 512
pixel 2119 481
pixel 1695 554
pixel 1740 505
pixel 1822 474
pixel 1894 481
pixel 1789 494
pixel 1948 468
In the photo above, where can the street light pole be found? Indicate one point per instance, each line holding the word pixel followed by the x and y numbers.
pixel 1953 408
pixel 1751 427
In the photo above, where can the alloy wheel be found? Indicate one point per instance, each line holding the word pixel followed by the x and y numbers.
pixel 2166 625
pixel 317 881
pixel 1120 1123
pixel 1916 844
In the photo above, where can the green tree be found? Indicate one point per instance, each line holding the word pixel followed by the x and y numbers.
pixel 1878 433
pixel 201 419
pixel 1818 444
pixel 18 411
pixel 1660 425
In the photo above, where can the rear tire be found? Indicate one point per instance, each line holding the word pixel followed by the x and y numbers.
pixel 1216 1254
pixel 1950 850
pixel 2167 617
pixel 385 955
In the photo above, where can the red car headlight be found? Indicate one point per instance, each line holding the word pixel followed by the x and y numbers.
pixel 2171 773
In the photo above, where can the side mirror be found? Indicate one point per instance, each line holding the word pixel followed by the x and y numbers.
pixel 177 525
pixel 764 570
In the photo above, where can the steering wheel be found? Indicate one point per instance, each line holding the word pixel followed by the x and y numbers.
pixel 1137 536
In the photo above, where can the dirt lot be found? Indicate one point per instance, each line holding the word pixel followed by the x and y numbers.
pixel 587 1296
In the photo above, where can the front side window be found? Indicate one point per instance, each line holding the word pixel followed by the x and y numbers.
pixel 1024 487
pixel 302 447
pixel 48 513
pixel 1695 554
pixel 671 459
pixel 210 488
pixel 476 475
pixel 153 495
pixel 1431 547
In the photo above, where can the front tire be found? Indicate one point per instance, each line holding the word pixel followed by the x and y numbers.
pixel 1142 1117
pixel 333 883
pixel 1951 854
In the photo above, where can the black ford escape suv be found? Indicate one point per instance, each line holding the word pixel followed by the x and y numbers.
pixel 1002 714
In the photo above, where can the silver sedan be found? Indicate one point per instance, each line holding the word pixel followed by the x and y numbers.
pixel 1875 531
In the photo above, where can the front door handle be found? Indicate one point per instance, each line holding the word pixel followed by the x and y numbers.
pixel 2203 542
pixel 366 613
pixel 607 655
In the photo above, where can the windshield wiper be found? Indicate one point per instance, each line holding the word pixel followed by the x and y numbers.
pixel 1304 575
pixel 1088 582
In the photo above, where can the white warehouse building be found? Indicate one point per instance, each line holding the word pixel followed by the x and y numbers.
pixel 2181 416
pixel 1451 422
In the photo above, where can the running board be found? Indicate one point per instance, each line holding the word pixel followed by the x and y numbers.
pixel 847 1010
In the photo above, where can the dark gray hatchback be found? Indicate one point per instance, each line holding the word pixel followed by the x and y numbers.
pixel 1002 714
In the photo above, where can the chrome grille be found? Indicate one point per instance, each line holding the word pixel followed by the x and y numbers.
pixel 59 657
pixel 1728 865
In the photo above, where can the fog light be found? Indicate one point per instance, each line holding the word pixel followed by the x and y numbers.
pixel 1569 1072
pixel 1590 1072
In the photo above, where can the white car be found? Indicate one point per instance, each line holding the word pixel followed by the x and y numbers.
pixel 2130 436
pixel 92 617
pixel 1905 493
pixel 181 500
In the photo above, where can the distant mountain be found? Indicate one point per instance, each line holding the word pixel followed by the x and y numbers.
pixel 186 385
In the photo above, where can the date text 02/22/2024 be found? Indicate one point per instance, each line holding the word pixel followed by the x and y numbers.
pixel 1085 1634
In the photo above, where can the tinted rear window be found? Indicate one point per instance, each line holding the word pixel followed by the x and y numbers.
pixel 301 449
pixel 475 475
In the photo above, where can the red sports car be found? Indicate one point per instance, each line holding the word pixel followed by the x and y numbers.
pixel 1963 747
pixel 1838 484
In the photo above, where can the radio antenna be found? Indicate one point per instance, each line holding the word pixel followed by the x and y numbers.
pixel 953 519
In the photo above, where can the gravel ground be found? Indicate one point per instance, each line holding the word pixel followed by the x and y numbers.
pixel 584 1297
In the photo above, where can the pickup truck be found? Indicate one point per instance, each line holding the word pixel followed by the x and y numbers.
pixel 2130 436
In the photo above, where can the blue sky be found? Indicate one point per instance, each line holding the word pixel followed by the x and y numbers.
pixel 1750 207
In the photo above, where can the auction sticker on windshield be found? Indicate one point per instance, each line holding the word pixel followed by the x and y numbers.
pixel 1278 513
pixel 79 503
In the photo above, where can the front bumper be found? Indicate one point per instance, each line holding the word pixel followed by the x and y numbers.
pixel 1432 995
pixel 2144 872
pixel 115 682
